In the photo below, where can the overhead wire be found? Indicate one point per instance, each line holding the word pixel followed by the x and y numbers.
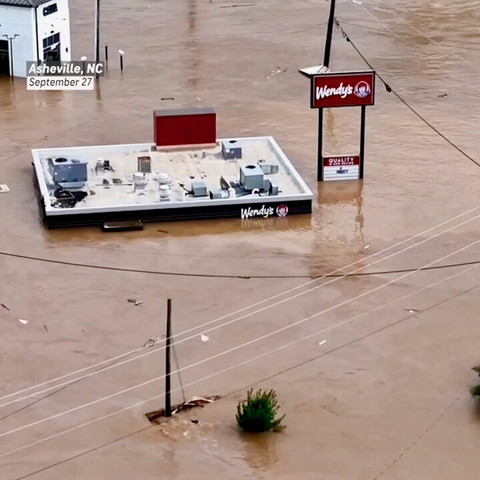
pixel 424 35
pixel 249 360
pixel 313 277
pixel 378 330
pixel 202 327
pixel 281 372
pixel 235 348
pixel 413 110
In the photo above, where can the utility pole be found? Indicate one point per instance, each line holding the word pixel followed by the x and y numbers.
pixel 97 31
pixel 326 63
pixel 328 41
pixel 10 50
pixel 168 405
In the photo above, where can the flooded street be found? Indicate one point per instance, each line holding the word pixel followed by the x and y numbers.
pixel 372 371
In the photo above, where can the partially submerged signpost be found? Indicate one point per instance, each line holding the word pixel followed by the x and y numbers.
pixel 339 89
pixel 346 89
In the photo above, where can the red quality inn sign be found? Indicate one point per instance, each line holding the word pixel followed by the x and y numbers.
pixel 352 89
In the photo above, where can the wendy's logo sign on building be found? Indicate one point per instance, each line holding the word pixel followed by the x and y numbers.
pixel 263 211
pixel 343 89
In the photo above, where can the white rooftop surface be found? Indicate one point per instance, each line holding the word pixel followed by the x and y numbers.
pixel 182 166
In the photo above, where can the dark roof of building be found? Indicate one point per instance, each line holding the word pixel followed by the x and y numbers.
pixel 23 3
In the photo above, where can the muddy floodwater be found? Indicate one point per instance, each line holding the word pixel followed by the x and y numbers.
pixel 373 371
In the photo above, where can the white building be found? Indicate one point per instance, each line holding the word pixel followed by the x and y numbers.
pixel 33 30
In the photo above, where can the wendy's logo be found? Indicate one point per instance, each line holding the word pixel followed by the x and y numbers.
pixel 362 89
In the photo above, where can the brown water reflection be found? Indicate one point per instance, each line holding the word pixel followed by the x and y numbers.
pixel 260 451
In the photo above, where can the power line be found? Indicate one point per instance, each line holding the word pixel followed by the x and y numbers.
pixel 233 349
pixel 216 373
pixel 390 90
pixel 226 276
pixel 420 437
pixel 56 389
pixel 428 37
pixel 81 454
pixel 251 313
pixel 300 364
pixel 378 330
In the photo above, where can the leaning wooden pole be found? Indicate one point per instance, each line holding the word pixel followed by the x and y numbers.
pixel 168 404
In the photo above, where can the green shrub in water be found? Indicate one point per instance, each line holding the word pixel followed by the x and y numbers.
pixel 258 413
pixel 475 390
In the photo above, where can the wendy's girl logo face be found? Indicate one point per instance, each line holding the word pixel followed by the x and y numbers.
pixel 362 89
pixel 282 211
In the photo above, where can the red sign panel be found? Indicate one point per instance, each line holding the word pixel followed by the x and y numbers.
pixel 352 89
pixel 341 161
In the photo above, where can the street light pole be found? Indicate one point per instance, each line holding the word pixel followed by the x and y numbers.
pixel 10 47
pixel 97 31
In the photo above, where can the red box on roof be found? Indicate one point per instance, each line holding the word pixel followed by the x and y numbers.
pixel 182 127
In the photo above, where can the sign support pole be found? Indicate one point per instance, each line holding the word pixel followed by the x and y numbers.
pixel 320 146
pixel 362 142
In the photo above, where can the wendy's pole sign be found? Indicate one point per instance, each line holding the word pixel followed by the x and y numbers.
pixel 345 89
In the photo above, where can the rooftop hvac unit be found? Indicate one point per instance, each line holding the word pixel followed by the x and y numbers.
pixel 163 178
pixel 268 168
pixel 199 188
pixel 251 177
pixel 231 149
pixel 69 174
pixel 164 193
pixel 139 182
pixel 144 164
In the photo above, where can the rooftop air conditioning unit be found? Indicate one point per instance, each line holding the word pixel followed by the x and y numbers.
pixel 251 177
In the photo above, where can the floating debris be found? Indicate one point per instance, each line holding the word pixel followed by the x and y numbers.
pixel 204 338
pixel 134 301
pixel 323 342
pixel 22 321
pixel 4 189
pixel 411 310
pixel 192 403
pixel 276 71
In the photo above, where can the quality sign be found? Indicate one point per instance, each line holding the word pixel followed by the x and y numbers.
pixel 352 89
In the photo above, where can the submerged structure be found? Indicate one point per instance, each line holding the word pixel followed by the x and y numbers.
pixel 186 174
